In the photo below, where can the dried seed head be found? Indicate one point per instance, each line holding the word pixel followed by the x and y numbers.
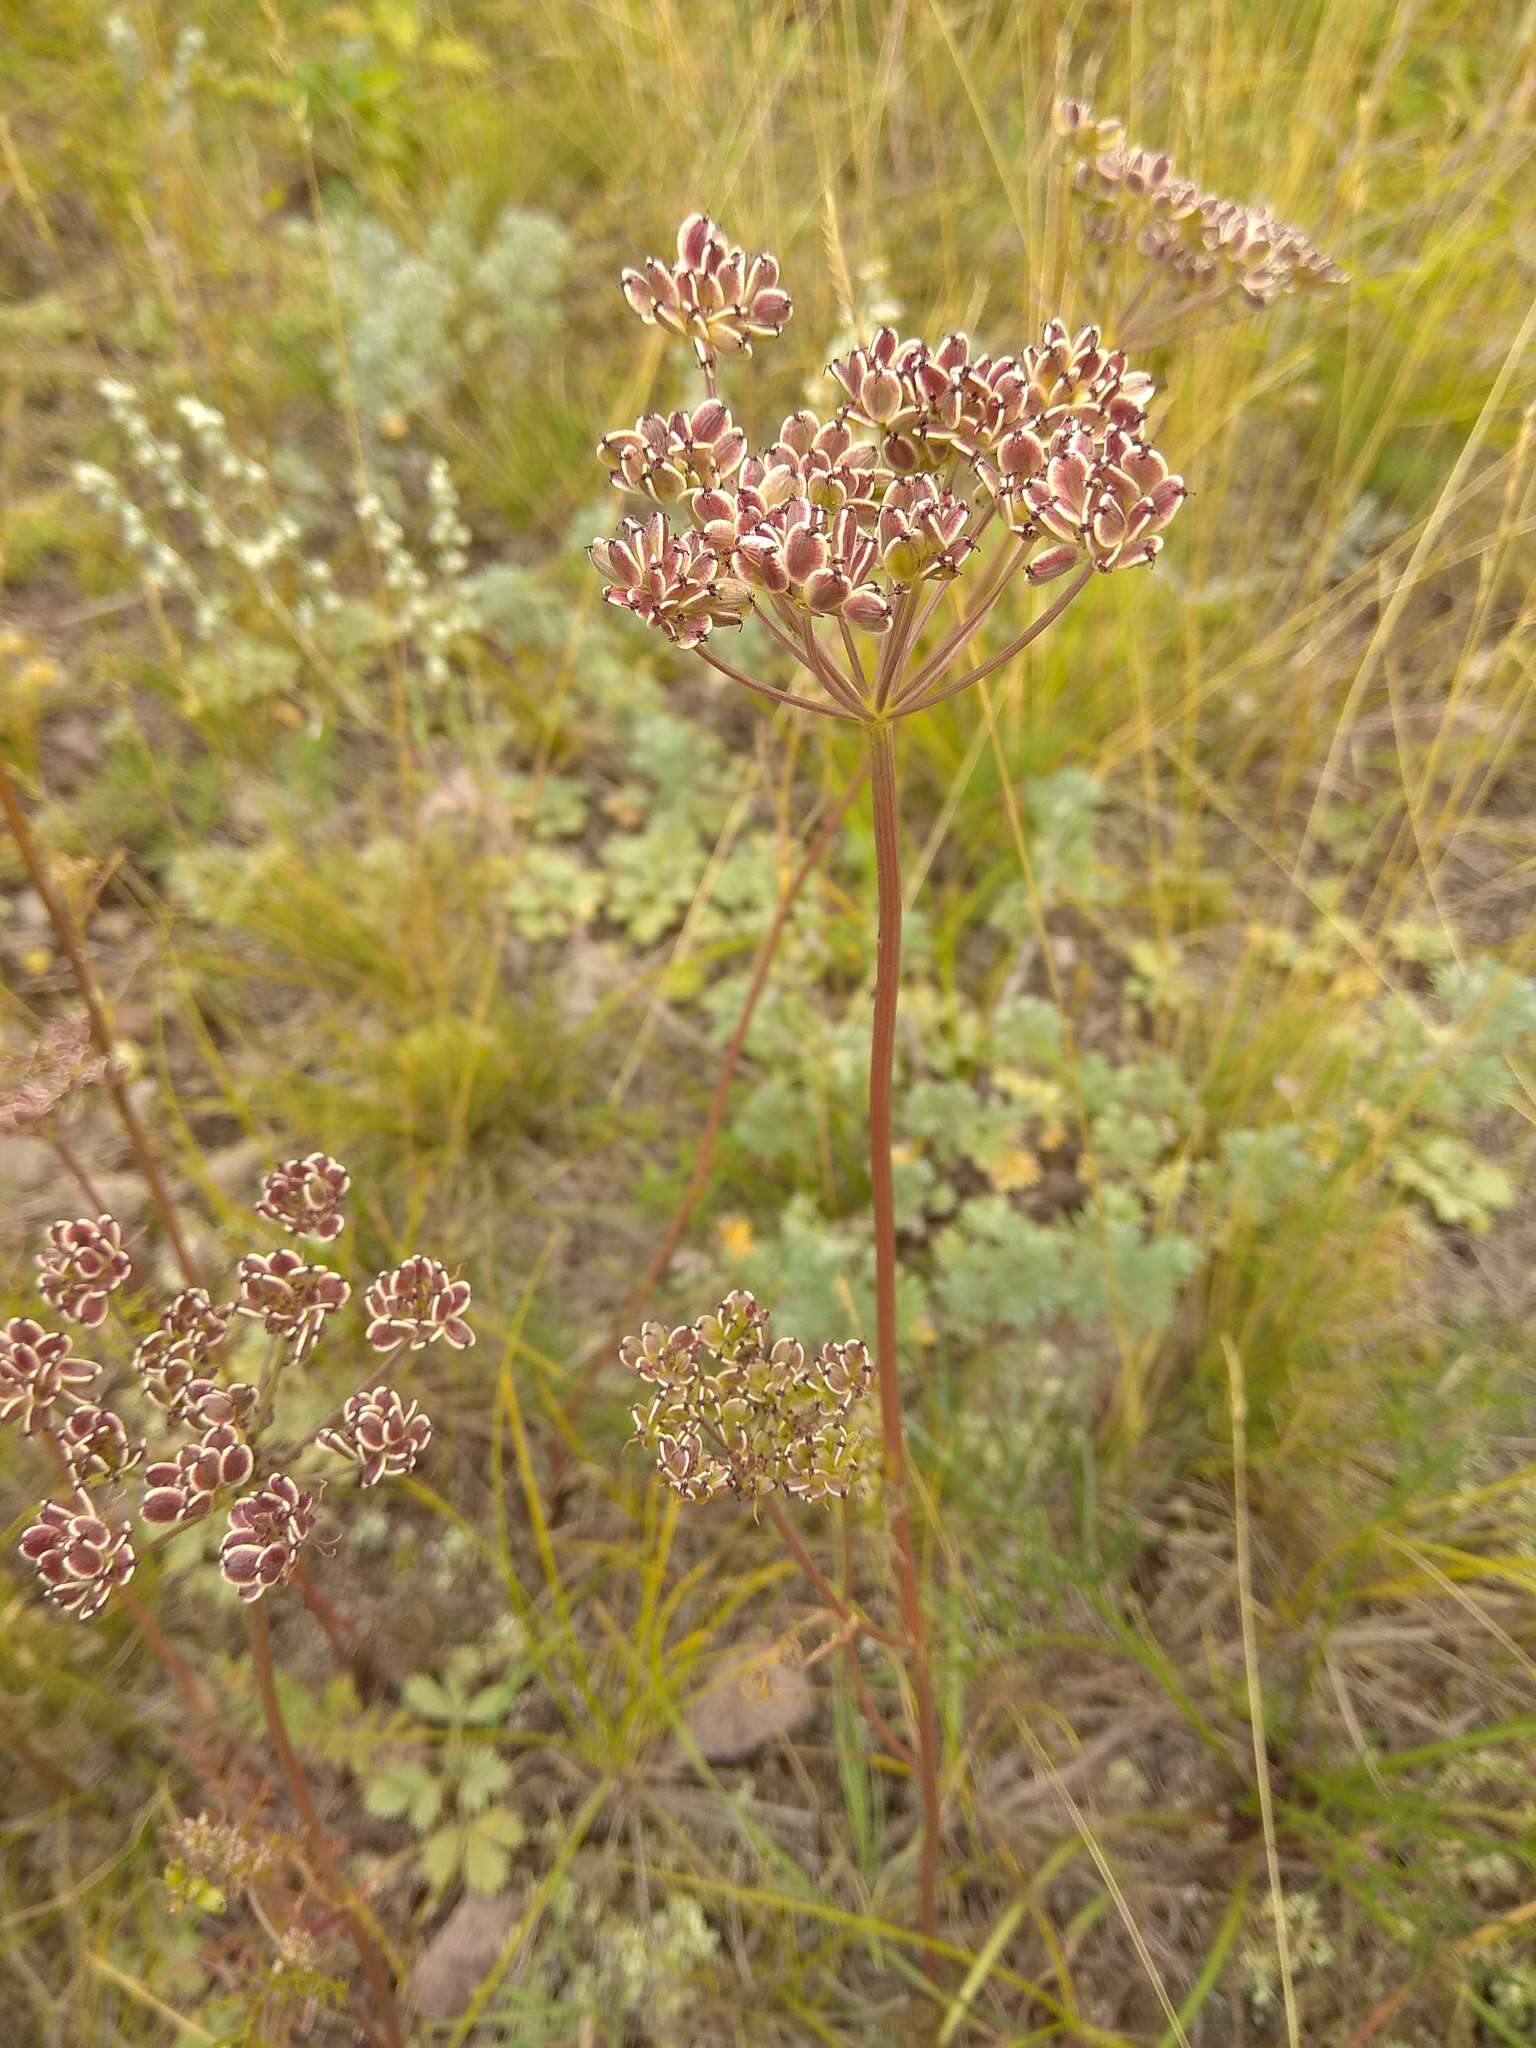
pixel 921 531
pixel 78 1557
pixel 1219 248
pixel 205 1403
pixel 218 1851
pixel 97 1445
pixel 822 462
pixel 715 295
pixel 304 1196
pixel 183 1488
pixel 415 1304
pixel 60 1063
pixel 37 1372
pixel 665 458
pixel 674 582
pixel 733 1411
pixel 291 1299
pixel 823 564
pixel 1075 471
pixel 174 1353
pixel 83 1266
pixel 380 1434
pixel 929 403
pixel 267 1530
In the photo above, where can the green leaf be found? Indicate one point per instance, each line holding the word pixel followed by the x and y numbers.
pixel 486 1862
pixel 481 1774
pixel 429 1698
pixel 407 1789
pixel 441 1856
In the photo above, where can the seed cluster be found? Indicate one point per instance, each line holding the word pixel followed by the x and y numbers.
pixel 732 1410
pixel 58 1065
pixel 715 295
pixel 82 1549
pixel 1220 248
pixel 842 519
pixel 83 1266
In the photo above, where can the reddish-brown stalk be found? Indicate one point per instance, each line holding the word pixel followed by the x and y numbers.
pixel 882 1056
pixel 767 690
pixel 714 1121
pixel 818 1578
pixel 348 1648
pixel 907 703
pixel 101 1033
pixel 72 1165
pixel 376 1972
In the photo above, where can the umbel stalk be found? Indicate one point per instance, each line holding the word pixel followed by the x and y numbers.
pixel 882 1061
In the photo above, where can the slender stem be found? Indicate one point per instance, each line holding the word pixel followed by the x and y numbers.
pixel 833 681
pixel 966 628
pixel 851 649
pixel 894 653
pixel 818 1578
pixel 70 1161
pixel 882 1060
pixel 1048 617
pixel 882 1728
pixel 101 1033
pixel 352 1654
pixel 794 635
pixel 767 690
pixel 381 1988
pixel 714 1121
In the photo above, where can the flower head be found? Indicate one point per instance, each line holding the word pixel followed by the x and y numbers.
pixel 1222 249
pixel 58 1064
pixel 182 1489
pixel 380 1434
pixel 416 1303
pixel 665 458
pixel 97 1444
pixel 290 1298
pixel 672 581
pixel 823 564
pixel 1075 470
pixel 78 1557
pixel 1107 499
pixel 304 1196
pixel 83 1266
pixel 734 1411
pixel 174 1353
pixel 921 531
pixel 267 1530
pixel 715 295
pixel 820 461
pixel 37 1372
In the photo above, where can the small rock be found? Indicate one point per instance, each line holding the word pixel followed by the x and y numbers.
pixel 757 1697
pixel 462 1950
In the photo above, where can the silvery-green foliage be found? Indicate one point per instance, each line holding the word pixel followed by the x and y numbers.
pixel 417 317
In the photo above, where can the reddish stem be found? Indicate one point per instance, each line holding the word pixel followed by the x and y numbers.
pixel 101 1033
pixel 818 1578
pixel 704 1156
pixel 72 1165
pixel 351 1652
pixel 767 690
pixel 882 1059
pixel 906 705
pixel 375 1969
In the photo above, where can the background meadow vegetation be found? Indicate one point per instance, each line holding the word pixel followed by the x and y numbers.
pixel 1215 1082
